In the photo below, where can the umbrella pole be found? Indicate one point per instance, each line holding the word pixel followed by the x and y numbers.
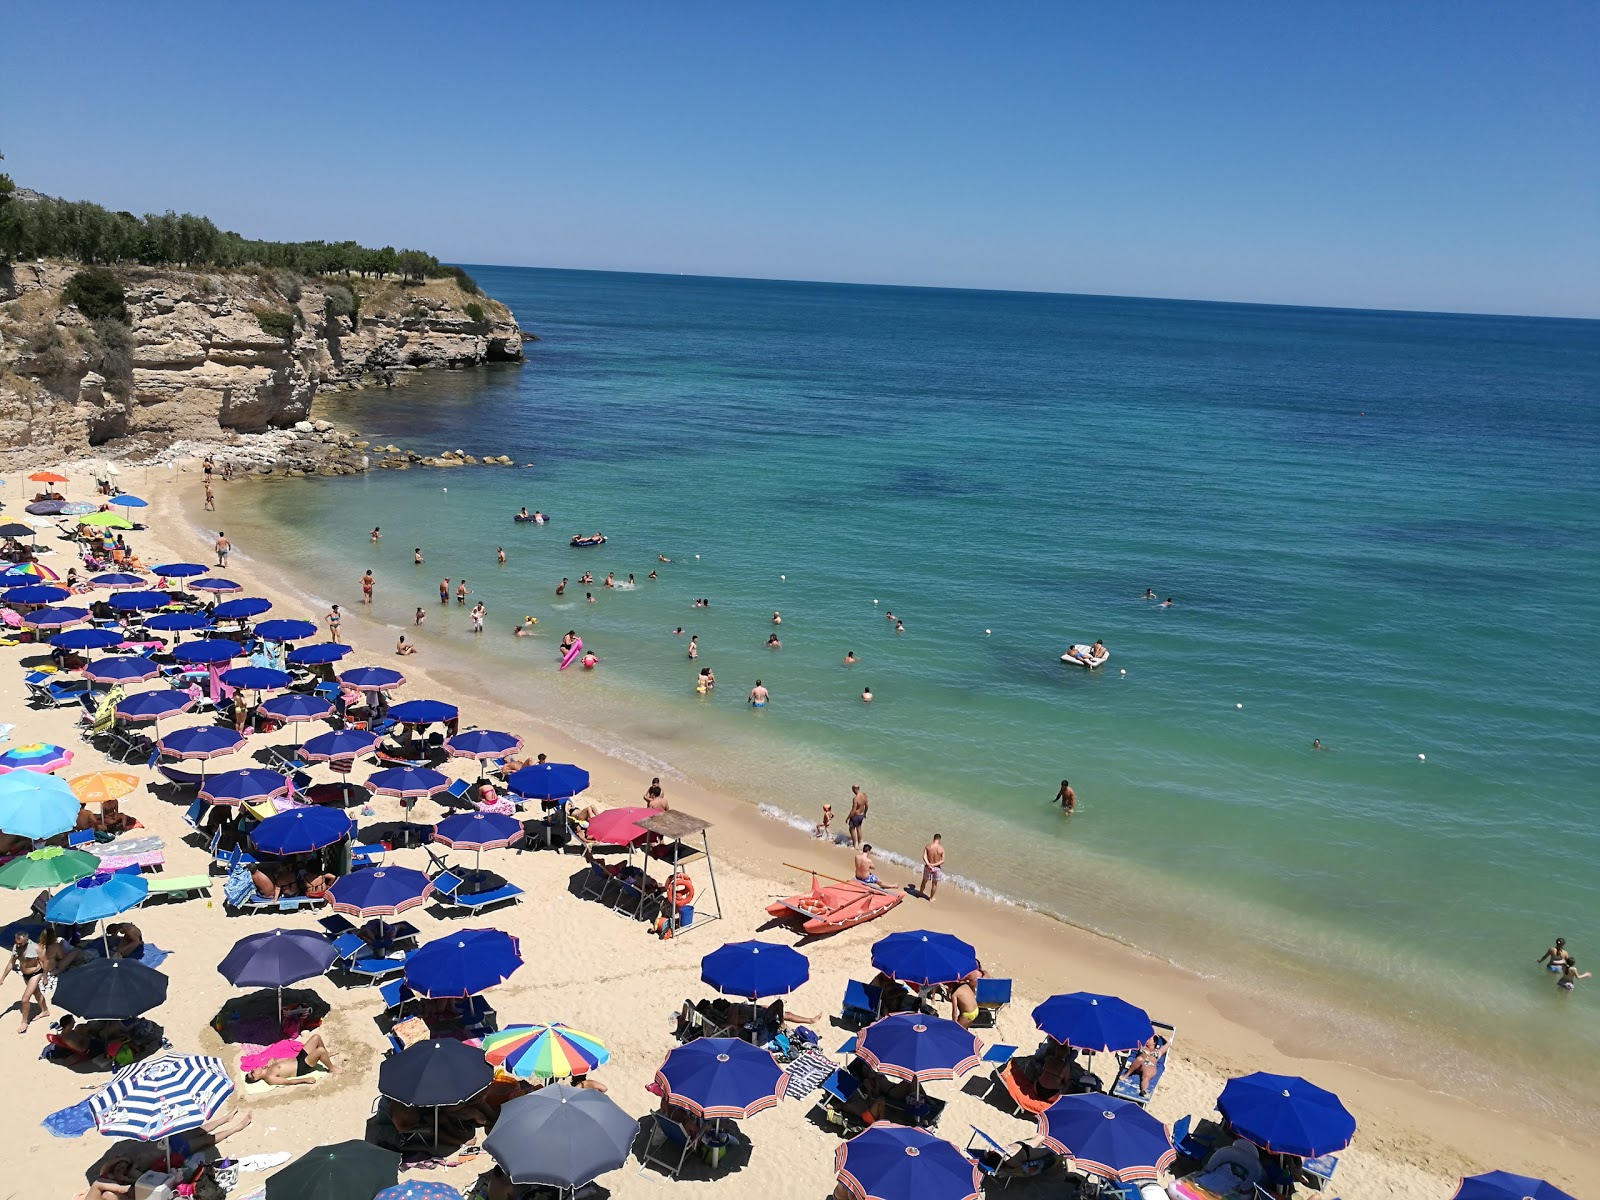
pixel 280 1008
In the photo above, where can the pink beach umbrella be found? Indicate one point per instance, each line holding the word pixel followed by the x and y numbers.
pixel 43 757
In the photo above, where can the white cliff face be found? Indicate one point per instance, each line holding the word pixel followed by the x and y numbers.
pixel 200 362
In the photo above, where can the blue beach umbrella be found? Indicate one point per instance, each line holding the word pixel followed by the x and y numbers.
pixel 423 712
pixel 121 668
pixel 895 1162
pixel 1088 1021
pixel 45 508
pixel 369 679
pixel 477 831
pixel 285 629
pixel 206 651
pixel 177 622
pixel 318 654
pixel 95 897
pixel 56 618
pixel 262 679
pixel 161 1095
pixel 178 570
pixel 463 964
pixel 292 707
pixel 434 1073
pixel 216 585
pixel 122 501
pixel 755 969
pixel 241 609
pixel 34 593
pixel 112 989
pixel 1105 1136
pixel 721 1077
pixel 277 958
pixel 1286 1115
pixel 918 1047
pixel 153 706
pixel 300 830
pixel 116 579
pixel 200 742
pixel 482 743
pixel 921 958
pixel 419 1189
pixel 36 806
pixel 339 744
pixel 408 783
pixel 139 601
pixel 548 781
pixel 87 639
pixel 248 786
pixel 379 891
pixel 1503 1185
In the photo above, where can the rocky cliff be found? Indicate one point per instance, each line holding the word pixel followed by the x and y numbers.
pixel 205 354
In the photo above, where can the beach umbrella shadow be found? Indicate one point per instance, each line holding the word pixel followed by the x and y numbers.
pixel 233 1020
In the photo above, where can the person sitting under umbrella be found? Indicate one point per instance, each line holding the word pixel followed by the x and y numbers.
pixel 115 1174
pixel 128 940
pixel 1019 1160
pixel 280 1070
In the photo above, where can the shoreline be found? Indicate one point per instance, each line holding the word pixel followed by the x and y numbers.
pixel 1224 1032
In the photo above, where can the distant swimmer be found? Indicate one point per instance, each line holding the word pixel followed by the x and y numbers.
pixel 630 582
pixel 416 556
pixel 586 578
pixel 705 681
pixel 1569 975
pixel 589 597
pixel 1167 603
pixel 773 643
pixel 888 616
pixel 1149 594
pixel 374 535
pixel 899 628
pixel 866 695
pixel 561 588
pixel 500 555
pixel 678 632
pixel 777 619
pixel 1316 744
pixel 850 658
pixel 421 617
pixel 662 558
pixel 652 575
pixel 694 645
pixel 610 580
pixel 521 631
pixel 758 696
pixel 523 515
pixel 1067 797
pixel 1556 957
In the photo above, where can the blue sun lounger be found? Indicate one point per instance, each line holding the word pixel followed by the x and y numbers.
pixel 1127 1088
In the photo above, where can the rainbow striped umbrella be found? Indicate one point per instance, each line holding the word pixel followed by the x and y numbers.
pixel 37 570
pixel 35 756
pixel 543 1051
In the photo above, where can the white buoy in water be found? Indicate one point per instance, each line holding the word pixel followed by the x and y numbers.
pixel 987 632
pixel 1238 706
pixel 444 489
pixel 1124 670
pixel 783 577
pixel 697 556
pixel 874 601
pixel 1422 758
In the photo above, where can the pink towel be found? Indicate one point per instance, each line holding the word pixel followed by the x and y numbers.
pixel 288 1048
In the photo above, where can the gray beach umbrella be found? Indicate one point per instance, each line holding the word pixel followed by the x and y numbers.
pixel 561 1136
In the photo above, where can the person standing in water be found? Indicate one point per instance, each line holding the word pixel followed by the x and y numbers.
pixel 694 645
pixel 444 591
pixel 366 587
pixel 462 592
pixel 758 696
pixel 857 814
pixel 500 555
pixel 561 588
pixel 1569 975
pixel 374 535
pixel 1556 957
pixel 932 866
pixel 1067 797
pixel 416 556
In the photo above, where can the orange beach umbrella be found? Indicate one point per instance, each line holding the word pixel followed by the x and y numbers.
pixel 99 786
pixel 47 477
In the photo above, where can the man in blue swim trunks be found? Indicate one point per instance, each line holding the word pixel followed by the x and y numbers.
pixel 865 872
pixel 758 696
pixel 858 814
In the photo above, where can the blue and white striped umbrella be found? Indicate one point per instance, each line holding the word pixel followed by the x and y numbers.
pixel 162 1095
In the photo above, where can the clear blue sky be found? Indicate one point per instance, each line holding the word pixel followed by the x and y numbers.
pixel 1412 155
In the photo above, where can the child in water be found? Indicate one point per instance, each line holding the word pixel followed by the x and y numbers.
pixel 824 829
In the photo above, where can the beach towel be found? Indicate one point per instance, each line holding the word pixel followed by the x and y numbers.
pixel 238 887
pixel 153 956
pixel 70 1122
pixel 254 1057
pixel 806 1074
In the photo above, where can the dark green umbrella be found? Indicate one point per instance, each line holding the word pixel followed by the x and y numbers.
pixel 348 1171
pixel 49 867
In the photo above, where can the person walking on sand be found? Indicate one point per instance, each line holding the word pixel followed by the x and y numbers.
pixel 222 545
pixel 444 590
pixel 211 498
pixel 858 813
pixel 334 617
pixel 758 696
pixel 462 592
pixel 932 866
pixel 1067 797
pixel 366 587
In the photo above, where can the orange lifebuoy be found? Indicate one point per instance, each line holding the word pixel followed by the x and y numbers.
pixel 681 890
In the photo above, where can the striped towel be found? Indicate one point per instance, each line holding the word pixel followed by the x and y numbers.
pixel 806 1074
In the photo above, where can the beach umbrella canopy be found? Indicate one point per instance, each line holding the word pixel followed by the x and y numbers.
pixel 36 806
pixel 561 1136
pixel 1092 1022
pixel 47 867
pixel 139 601
pixel 105 520
pixel 112 989
pixel 428 1074
pixel 42 757
pixel 1503 1185
pixel 34 593
pixel 540 1051
pixel 721 1077
pixel 199 741
pixel 76 508
pixel 1105 1136
pixel 121 500
pixel 548 781
pixel 918 1047
pixel 16 529
pixel 179 570
pixel 55 618
pixel 419 1189
pixel 617 826
pixel 161 1095
pixel 463 963
pixel 317 654
pixel 1286 1115
pixel 277 958
pixel 216 585
pixel 407 782
pixel 248 786
pixel 262 679
pixel 240 609
pixel 46 508
pixel 423 712
pixel 285 629
pixel 339 744
pixel 379 891
pixel 369 679
pixel 177 622
pixel 95 897
pixel 121 668
pixel 87 639
pixel 755 969
pixel 116 579
pixel 895 1162
pixel 300 830
pixel 922 959
pixel 97 787
pixel 352 1170
pixel 207 650
pixel 477 831
pixel 152 706
pixel 482 743
pixel 47 477
pixel 293 706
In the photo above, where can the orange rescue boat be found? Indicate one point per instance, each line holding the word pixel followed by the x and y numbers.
pixel 840 905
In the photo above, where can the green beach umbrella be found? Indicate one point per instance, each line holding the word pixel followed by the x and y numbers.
pixel 49 867
pixel 106 520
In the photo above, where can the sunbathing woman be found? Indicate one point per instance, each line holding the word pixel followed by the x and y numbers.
pixel 285 1072
pixel 1145 1063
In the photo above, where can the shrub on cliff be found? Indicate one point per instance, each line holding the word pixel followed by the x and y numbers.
pixel 278 324
pixel 464 281
pixel 474 311
pixel 110 348
pixel 98 295
pixel 343 302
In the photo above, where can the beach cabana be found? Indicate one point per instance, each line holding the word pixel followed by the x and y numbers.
pixel 675 832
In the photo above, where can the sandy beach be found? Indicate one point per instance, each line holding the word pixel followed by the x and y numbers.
pixel 608 975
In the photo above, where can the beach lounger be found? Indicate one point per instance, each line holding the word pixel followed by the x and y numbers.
pixel 335 924
pixel 595 881
pixel 46 691
pixel 195 813
pixel 1128 1089
pixel 1025 1100
pixel 1318 1172
pixel 370 855
pixel 395 993
pixel 1189 1142
pixel 862 1003
pixel 460 791
pixel 832 1105
pixel 178 887
pixel 447 890
pixel 359 960
pixel 993 995
pixel 188 779
pixel 668 1146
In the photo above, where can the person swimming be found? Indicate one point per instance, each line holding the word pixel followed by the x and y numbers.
pixel 758 696
pixel 850 658
pixel 1556 957
pixel 1148 594
pixel 773 643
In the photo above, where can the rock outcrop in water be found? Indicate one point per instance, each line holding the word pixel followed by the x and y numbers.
pixel 205 354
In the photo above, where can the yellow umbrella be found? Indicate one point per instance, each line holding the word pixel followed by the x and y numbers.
pixel 99 786
pixel 106 520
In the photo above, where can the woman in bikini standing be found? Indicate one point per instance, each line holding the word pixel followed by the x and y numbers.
pixel 27 959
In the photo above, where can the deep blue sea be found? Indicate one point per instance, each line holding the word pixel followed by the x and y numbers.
pixel 1377 529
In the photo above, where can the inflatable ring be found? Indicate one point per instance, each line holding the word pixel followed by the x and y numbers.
pixel 681 890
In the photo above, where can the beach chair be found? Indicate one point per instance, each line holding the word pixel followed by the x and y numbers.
pixel 335 924
pixel 395 993
pixel 668 1146
pixel 862 1003
pixel 458 792
pixel 436 861
pixel 177 887
pixel 1189 1142
pixel 629 900
pixel 1126 1088
pixel 358 960
pixel 975 1152
pixel 47 691
pixel 1317 1173
pixel 447 891
pixel 370 855
pixel 187 779
pixel 128 746
pixel 195 813
pixel 596 880
pixel 993 995
pixel 833 1105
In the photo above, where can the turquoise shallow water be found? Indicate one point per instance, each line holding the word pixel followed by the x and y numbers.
pixel 1379 530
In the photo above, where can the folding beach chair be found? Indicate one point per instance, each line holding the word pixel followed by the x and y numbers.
pixel 668 1147
pixel 832 1105
pixel 862 1003
pixel 176 887
pixel 1189 1142
pixel 993 995
pixel 447 891
pixel 596 880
